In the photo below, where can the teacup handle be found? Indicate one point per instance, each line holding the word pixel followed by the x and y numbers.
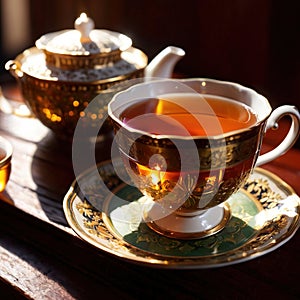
pixel 289 139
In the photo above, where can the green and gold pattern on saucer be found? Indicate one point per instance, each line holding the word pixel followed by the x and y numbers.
pixel 265 214
pixel 125 223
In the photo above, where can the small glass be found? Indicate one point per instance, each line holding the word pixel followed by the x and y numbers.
pixel 5 162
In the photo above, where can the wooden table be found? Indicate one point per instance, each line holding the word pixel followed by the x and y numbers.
pixel 42 258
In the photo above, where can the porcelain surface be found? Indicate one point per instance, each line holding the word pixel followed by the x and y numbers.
pixel 264 215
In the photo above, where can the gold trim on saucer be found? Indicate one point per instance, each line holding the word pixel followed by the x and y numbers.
pixel 270 220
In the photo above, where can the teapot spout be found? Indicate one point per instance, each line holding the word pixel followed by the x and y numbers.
pixel 163 64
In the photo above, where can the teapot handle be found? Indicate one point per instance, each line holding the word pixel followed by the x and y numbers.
pixel 14 68
pixel 289 139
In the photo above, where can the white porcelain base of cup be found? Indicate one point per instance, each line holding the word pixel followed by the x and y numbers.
pixel 179 226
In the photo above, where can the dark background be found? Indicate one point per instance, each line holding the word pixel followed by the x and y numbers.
pixel 253 42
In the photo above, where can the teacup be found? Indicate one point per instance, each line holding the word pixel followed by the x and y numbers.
pixel 5 162
pixel 190 144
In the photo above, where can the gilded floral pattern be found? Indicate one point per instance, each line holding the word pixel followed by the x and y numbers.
pixel 237 242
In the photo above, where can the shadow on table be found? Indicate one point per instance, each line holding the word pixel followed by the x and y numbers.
pixel 52 171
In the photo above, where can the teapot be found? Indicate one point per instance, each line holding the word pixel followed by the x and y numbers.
pixel 67 69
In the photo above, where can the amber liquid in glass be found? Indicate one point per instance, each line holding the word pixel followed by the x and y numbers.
pixel 4 171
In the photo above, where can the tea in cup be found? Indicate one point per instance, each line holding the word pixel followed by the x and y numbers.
pixel 188 145
pixel 5 162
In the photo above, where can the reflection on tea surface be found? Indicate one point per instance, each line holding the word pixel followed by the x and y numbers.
pixel 189 114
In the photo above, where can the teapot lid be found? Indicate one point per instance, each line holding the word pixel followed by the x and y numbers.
pixel 83 54
pixel 84 40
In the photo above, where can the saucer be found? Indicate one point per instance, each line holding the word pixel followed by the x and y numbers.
pixel 105 211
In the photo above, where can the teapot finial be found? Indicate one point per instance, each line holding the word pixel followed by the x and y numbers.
pixel 84 25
